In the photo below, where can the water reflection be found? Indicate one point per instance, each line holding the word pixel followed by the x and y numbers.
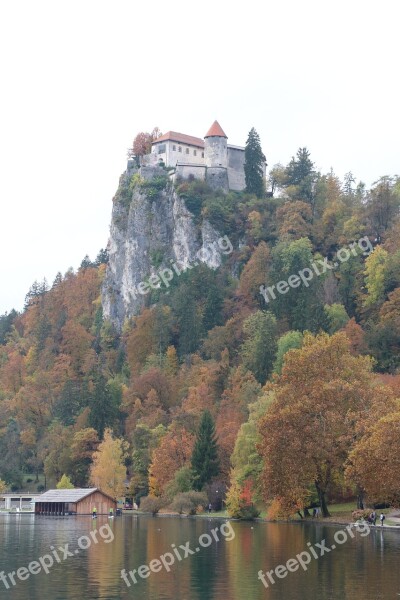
pixel 363 567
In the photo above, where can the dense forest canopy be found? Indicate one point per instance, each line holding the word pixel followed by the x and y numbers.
pixel 214 356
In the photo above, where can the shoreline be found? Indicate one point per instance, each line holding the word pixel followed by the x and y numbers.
pixel 320 521
pixel 333 523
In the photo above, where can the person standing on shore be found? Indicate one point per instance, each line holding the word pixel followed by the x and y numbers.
pixel 382 518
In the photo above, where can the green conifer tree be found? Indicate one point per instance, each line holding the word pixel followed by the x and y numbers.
pixel 104 404
pixel 205 463
pixel 253 165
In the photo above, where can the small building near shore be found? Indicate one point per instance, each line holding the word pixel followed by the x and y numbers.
pixel 77 501
pixel 13 502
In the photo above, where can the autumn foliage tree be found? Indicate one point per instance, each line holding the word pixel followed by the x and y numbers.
pixel 374 462
pixel 84 443
pixel 241 391
pixel 143 141
pixel 239 501
pixel 310 427
pixel 294 220
pixel 108 471
pixel 254 275
pixel 65 483
pixel 173 453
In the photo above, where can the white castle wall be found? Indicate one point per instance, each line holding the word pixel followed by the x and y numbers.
pixel 185 171
pixel 176 152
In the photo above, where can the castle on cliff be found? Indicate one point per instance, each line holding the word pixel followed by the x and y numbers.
pixel 213 160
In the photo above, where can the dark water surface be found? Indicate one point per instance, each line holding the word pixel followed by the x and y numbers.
pixel 366 568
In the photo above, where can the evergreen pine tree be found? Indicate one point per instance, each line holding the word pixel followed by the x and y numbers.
pixel 189 319
pixel 73 398
pixel 102 257
pixel 86 263
pixel 300 168
pixel 253 165
pixel 205 463
pixel 104 404
pixel 300 173
pixel 6 324
pixel 58 279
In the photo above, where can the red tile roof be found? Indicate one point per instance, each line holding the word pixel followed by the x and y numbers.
pixel 181 138
pixel 215 131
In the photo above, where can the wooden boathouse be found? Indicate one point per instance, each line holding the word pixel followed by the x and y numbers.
pixel 78 501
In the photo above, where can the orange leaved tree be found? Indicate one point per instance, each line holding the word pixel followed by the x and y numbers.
pixel 374 463
pixel 322 398
pixel 173 453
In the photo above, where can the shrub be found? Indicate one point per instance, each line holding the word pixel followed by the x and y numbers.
pixel 193 193
pixel 157 257
pixel 188 502
pixel 361 514
pixel 135 181
pixel 123 195
pixel 152 504
pixel 182 482
pixel 41 487
pixel 152 187
pixel 238 502
pixel 249 512
pixel 222 212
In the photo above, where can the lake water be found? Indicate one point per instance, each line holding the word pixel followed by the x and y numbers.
pixel 363 567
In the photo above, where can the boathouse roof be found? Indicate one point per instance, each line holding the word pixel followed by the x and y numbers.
pixel 69 495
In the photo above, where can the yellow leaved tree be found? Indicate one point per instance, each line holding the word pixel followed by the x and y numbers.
pixel 65 483
pixel 108 471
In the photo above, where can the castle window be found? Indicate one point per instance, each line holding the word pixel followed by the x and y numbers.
pixel 180 148
pixel 202 155
pixel 195 152
pixel 174 148
pixel 187 150
pixel 162 148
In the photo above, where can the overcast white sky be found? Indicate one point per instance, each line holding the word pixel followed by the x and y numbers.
pixel 80 78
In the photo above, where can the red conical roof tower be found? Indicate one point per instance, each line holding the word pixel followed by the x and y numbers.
pixel 216 131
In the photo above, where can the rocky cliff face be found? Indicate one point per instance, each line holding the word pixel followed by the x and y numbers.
pixel 153 238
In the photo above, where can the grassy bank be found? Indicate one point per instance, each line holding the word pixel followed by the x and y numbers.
pixel 339 513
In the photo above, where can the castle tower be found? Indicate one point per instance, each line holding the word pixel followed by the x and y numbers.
pixel 216 157
pixel 215 146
